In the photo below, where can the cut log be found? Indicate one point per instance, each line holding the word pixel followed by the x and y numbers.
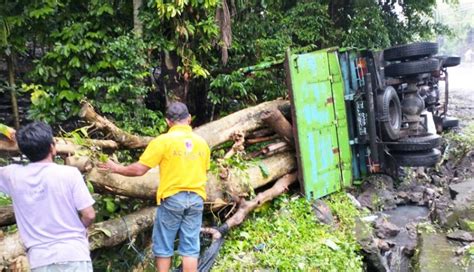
pixel 275 120
pixel 7 216
pixel 64 146
pixel 83 163
pixel 273 147
pixel 11 247
pixel 104 234
pixel 237 182
pixel 246 120
pixel 261 139
pixel 123 138
pixel 113 232
pixel 260 133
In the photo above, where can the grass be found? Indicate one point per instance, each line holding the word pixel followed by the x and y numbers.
pixel 287 237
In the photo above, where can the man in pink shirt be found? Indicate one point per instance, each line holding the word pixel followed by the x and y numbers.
pixel 52 205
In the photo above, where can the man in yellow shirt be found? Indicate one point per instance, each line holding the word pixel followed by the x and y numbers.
pixel 183 158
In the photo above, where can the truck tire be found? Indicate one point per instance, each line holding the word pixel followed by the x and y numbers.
pixel 410 51
pixel 418 158
pixel 389 112
pixel 417 143
pixel 412 67
pixel 449 61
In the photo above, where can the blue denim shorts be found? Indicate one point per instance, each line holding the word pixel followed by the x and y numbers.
pixel 178 214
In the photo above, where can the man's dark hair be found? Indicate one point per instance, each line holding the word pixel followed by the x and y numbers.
pixel 177 111
pixel 34 140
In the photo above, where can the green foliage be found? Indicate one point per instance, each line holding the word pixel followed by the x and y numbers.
pixel 366 27
pixel 287 237
pixel 459 143
pixel 89 65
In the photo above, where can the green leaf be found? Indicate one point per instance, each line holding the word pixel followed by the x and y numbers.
pixel 264 170
pixel 110 205
pixel 90 187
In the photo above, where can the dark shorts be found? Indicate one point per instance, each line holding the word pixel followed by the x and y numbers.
pixel 178 214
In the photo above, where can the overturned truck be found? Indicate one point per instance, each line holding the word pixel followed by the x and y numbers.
pixel 357 112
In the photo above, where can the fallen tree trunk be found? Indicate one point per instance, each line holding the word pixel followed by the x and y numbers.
pixel 7 216
pixel 123 138
pixel 245 207
pixel 275 120
pixel 104 234
pixel 246 120
pixel 236 182
pixel 215 133
pixel 64 146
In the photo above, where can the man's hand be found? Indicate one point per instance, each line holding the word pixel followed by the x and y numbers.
pixel 109 166
pixel 132 170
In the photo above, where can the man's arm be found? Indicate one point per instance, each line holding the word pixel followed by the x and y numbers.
pixel 87 216
pixel 132 170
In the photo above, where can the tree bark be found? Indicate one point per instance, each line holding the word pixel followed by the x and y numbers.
pixel 246 120
pixel 245 207
pixel 236 183
pixel 137 23
pixel 215 133
pixel 11 247
pixel 121 137
pixel 64 146
pixel 7 216
pixel 104 234
pixel 11 83
pixel 275 120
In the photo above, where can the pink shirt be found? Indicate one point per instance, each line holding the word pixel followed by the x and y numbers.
pixel 46 200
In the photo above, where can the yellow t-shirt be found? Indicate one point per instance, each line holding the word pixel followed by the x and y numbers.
pixel 183 157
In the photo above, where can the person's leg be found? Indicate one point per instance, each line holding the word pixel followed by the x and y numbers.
pixel 190 264
pixel 167 223
pixel 163 264
pixel 189 245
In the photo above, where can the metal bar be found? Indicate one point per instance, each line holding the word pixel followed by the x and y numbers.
pixel 369 95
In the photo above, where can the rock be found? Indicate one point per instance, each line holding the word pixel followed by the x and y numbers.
pixel 378 193
pixel 369 218
pixel 354 201
pixel 323 212
pixel 437 255
pixel 417 198
pixel 461 188
pixel 385 229
pixel 461 235
pixel 372 257
pixel 439 181
pixel 382 244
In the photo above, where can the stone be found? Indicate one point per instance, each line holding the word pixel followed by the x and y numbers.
pixel 461 188
pixel 461 235
pixel 436 254
pixel 322 212
pixel 372 257
pixel 385 229
pixel 382 244
pixel 354 201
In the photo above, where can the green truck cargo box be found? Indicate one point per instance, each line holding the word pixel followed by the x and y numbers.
pixel 317 95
